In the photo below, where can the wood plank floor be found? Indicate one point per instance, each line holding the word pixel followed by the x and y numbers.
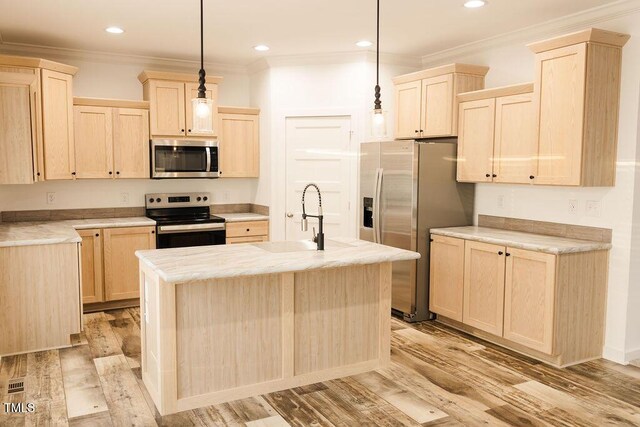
pixel 437 377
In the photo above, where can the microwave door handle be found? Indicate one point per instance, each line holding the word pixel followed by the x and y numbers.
pixel 208 151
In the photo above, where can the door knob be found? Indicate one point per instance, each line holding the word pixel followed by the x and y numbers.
pixel 289 215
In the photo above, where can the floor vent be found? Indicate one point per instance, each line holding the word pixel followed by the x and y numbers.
pixel 16 385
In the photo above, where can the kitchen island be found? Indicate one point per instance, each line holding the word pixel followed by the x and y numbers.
pixel 226 322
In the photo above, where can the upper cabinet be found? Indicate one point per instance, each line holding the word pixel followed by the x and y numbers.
pixel 111 138
pixel 169 95
pixel 496 135
pixel 37 129
pixel 426 104
pixel 576 97
pixel 239 137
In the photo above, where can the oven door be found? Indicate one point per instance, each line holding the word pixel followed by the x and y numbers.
pixel 180 236
pixel 184 159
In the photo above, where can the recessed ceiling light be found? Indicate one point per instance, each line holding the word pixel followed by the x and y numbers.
pixel 472 4
pixel 364 43
pixel 114 30
pixel 261 48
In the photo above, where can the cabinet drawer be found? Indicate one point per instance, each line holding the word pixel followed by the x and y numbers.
pixel 248 239
pixel 249 228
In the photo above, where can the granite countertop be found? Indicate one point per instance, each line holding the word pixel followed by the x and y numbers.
pixel 54 232
pixel 520 240
pixel 179 265
pixel 240 217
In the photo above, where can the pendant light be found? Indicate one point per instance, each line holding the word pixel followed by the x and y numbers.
pixel 201 106
pixel 378 117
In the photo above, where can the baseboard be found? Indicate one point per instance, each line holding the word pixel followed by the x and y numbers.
pixel 632 355
pixel 620 356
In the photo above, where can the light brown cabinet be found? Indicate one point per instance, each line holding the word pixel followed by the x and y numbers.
pixel 446 272
pixel 497 139
pixel 547 306
pixel 109 265
pixel 91 266
pixel 18 112
pixel 576 97
pixel 111 139
pixel 247 232
pixel 121 270
pixel 170 95
pixel 239 138
pixel 426 104
pixel 57 125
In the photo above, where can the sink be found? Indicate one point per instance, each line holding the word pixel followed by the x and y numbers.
pixel 300 245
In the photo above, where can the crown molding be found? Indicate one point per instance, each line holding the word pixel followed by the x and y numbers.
pixel 67 54
pixel 557 26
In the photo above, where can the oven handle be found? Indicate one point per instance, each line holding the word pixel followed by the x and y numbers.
pixel 189 228
pixel 208 150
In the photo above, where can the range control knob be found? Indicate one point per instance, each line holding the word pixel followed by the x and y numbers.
pixel 151 200
pixel 158 200
pixel 205 198
pixel 199 198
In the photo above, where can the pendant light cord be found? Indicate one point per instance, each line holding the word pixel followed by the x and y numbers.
pixel 378 104
pixel 202 90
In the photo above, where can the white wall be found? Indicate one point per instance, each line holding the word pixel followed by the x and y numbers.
pixel 514 63
pixel 102 76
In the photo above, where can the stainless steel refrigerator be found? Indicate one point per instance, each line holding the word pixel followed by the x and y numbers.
pixel 406 188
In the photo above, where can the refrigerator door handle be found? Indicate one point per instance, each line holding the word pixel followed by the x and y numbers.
pixel 377 212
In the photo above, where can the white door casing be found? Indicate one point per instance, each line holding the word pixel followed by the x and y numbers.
pixel 318 151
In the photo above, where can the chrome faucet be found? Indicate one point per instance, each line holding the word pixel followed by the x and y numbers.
pixel 319 238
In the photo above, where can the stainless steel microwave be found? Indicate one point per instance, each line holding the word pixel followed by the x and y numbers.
pixel 175 158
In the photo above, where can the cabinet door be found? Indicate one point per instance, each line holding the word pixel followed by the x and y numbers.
pixel 131 143
pixel 515 147
pixel 559 96
pixel 484 286
pixel 57 125
pixel 121 270
pixel 17 127
pixel 475 140
pixel 239 145
pixel 529 299
pixel 408 97
pixel 166 108
pixel 446 271
pixel 91 261
pixel 192 92
pixel 93 142
pixel 437 106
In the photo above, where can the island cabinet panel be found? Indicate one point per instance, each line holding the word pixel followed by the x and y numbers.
pixel 57 125
pixel 529 298
pixel 39 301
pixel 239 345
pixel 336 325
pixel 91 265
pixel 120 262
pixel 446 277
pixel 484 286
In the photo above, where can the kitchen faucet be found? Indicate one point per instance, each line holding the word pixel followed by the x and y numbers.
pixel 319 238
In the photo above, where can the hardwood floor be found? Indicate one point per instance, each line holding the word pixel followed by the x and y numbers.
pixel 437 377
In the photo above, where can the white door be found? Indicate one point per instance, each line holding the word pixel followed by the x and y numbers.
pixel 318 152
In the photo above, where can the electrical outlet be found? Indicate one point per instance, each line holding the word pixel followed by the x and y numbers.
pixel 124 198
pixel 593 208
pixel 573 206
pixel 51 198
pixel 501 201
pixel 226 196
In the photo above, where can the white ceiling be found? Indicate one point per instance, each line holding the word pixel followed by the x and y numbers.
pixel 170 28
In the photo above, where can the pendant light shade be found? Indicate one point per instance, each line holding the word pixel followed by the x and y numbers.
pixel 201 106
pixel 378 116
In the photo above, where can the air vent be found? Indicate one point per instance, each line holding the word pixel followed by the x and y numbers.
pixel 16 386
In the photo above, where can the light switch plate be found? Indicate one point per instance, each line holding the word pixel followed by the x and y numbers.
pixel 573 206
pixel 593 208
pixel 501 201
pixel 124 198
pixel 51 198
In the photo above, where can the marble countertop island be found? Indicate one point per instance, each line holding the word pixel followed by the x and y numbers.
pixel 223 261
pixel 55 232
pixel 520 240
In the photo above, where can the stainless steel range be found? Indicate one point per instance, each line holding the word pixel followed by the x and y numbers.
pixel 184 219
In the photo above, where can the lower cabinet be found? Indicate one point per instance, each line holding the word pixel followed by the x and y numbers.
pixel 247 232
pixel 109 266
pixel 547 306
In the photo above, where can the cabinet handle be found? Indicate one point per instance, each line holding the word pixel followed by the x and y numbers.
pixel 417 131
pixel 500 252
pixel 507 254
pixel 189 130
pixel 97 235
pixel 181 130
pixel 488 175
pixel 431 240
pixel 117 172
pixel 73 173
pixel 494 175
pixel 421 131
pixel 247 229
pixel 153 231
pixel 38 174
pixel 531 177
pixel 110 173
